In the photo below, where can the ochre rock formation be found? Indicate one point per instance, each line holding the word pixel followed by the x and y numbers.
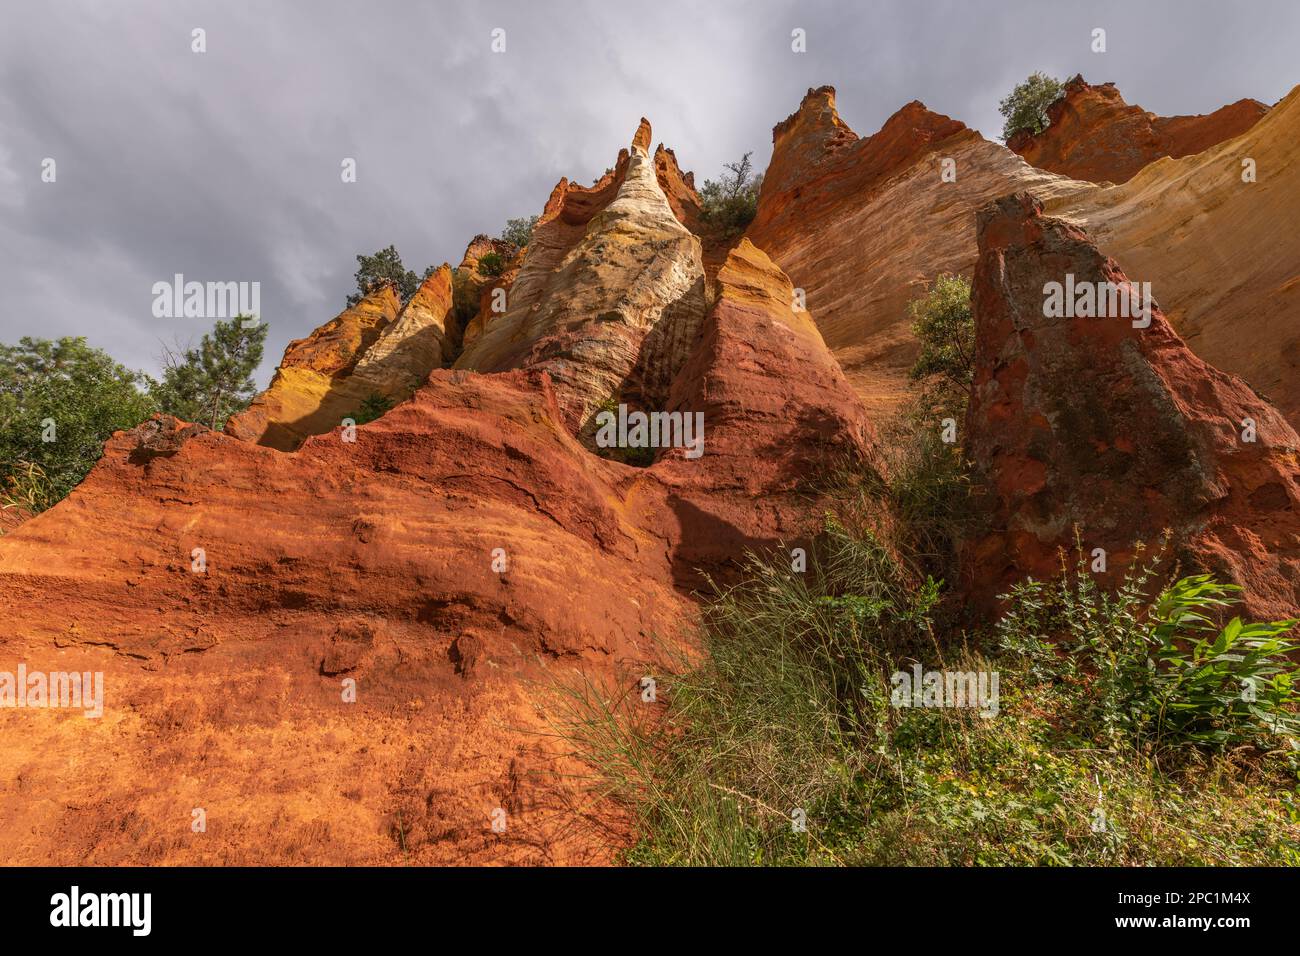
pixel 1094 135
pixel 778 410
pixel 1116 431
pixel 460 558
pixel 302 398
pixel 863 225
pixel 476 287
pixel 375 348
pixel 1221 251
pixel 420 339
pixel 612 315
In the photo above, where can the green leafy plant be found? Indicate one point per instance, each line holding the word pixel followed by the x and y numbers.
pixel 1157 671
pixel 728 204
pixel 1222 686
pixel 1025 107
pixel 519 232
pixel 491 264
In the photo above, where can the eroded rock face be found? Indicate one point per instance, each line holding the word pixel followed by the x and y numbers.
pixel 420 339
pixel 307 394
pixel 327 377
pixel 778 411
pixel 616 313
pixel 863 225
pixel 1114 430
pixel 1212 233
pixel 459 558
pixel 372 561
pixel 1094 135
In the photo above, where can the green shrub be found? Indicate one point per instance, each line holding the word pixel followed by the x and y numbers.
pixel 373 406
pixel 1025 107
pixel 942 323
pixel 519 232
pixel 729 204
pixel 1160 672
pixel 491 264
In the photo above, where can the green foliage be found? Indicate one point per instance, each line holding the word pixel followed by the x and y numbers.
pixel 778 713
pixel 210 383
pixel 785 707
pixel 929 491
pixel 1161 674
pixel 1026 106
pixel 67 391
pixel 519 232
pixel 638 457
pixel 729 204
pixel 385 266
pixel 373 406
pixel 491 264
pixel 942 323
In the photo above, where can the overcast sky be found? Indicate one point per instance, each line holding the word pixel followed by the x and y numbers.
pixel 225 165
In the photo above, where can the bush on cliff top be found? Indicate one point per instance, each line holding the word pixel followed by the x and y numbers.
pixel 1025 107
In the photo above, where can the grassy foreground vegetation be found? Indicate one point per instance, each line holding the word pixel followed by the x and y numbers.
pixel 1127 742
pixel 1143 725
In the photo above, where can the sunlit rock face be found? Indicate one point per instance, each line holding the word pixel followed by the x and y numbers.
pixel 614 316
pixel 1213 234
pixel 1093 134
pixel 864 224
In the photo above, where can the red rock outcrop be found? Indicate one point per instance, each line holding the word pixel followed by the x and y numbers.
pixel 1094 135
pixel 863 225
pixel 764 443
pixel 1114 430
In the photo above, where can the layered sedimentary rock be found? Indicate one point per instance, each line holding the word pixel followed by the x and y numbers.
pixel 1214 234
pixel 377 348
pixel 478 288
pixel 563 223
pixel 420 339
pixel 1099 426
pixel 1094 135
pixel 611 315
pixel 863 225
pixel 342 653
pixel 440 561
